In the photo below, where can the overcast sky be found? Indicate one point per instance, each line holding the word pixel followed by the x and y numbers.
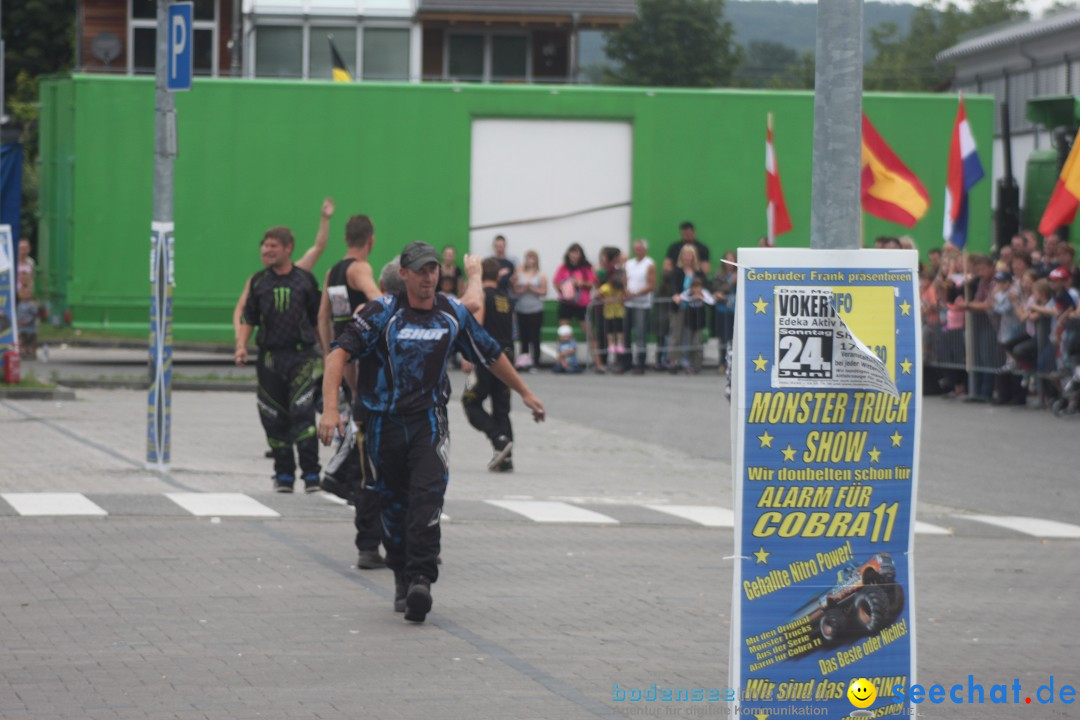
pixel 1036 7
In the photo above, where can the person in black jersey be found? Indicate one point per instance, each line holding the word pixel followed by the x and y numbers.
pixel 404 342
pixel 349 284
pixel 283 301
pixel 496 316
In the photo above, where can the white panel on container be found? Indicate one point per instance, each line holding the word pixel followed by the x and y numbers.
pixel 545 184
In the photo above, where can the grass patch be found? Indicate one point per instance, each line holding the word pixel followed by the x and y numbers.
pixel 30 382
pixel 54 334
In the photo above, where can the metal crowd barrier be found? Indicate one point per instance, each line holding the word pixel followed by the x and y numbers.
pixel 666 336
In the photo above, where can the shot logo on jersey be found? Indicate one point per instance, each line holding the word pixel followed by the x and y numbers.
pixel 411 333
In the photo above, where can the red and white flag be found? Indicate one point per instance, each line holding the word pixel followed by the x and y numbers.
pixel 776 214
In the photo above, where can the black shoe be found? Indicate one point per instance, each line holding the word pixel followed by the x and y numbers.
pixel 283 483
pixel 418 599
pixel 503 445
pixel 269 454
pixel 401 590
pixel 505 466
pixel 311 482
pixel 370 560
pixel 332 485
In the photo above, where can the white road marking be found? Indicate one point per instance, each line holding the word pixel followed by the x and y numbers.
pixel 53 504
pixel 546 511
pixel 1036 527
pixel 707 515
pixel 222 504
pixel 925 528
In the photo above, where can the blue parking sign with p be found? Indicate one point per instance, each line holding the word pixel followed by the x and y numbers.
pixel 179 53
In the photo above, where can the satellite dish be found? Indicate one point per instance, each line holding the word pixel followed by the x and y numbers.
pixel 106 47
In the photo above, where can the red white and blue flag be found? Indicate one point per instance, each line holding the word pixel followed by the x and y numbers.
pixel 965 170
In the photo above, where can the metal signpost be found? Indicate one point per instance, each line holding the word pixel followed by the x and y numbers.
pixel 174 70
pixel 834 206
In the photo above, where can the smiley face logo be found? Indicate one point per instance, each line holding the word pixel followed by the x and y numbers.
pixel 861 693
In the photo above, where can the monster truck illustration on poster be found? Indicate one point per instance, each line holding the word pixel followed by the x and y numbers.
pixel 865 599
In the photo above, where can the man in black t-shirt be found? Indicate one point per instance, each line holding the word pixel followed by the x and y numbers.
pixel 283 301
pixel 688 236
pixel 497 318
pixel 506 265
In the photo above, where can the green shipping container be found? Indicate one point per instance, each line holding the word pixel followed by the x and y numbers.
pixel 259 153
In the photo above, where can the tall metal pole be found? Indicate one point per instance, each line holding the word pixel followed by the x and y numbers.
pixel 159 405
pixel 835 206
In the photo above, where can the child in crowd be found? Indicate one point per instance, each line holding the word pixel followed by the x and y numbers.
pixel 692 304
pixel 613 294
pixel 26 312
pixel 566 359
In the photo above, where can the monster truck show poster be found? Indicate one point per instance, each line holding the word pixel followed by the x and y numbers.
pixel 826 411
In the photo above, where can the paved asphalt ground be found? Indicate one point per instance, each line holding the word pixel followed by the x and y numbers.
pixel 149 610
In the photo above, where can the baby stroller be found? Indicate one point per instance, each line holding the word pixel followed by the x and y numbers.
pixel 1069 401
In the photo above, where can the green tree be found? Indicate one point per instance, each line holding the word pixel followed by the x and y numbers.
pixel 906 62
pixel 685 43
pixel 39 39
pixel 765 63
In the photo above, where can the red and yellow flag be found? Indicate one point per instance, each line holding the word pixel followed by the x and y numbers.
pixel 1061 210
pixel 890 190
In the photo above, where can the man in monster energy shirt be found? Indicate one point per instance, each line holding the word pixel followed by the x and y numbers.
pixel 284 303
pixel 405 342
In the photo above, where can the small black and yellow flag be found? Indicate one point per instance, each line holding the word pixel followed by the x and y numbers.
pixel 340 70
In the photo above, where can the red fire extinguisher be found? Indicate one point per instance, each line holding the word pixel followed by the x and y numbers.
pixel 11 367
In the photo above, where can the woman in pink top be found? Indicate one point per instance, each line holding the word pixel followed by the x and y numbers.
pixel 574 281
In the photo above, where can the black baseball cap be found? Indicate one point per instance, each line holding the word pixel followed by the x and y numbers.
pixel 417 254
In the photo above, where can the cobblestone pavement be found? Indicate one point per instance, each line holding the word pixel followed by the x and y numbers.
pixel 149 611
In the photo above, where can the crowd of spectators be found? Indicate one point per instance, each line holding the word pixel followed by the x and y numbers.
pixel 619 304
pixel 1002 328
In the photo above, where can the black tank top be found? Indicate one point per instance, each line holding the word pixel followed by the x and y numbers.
pixel 343 299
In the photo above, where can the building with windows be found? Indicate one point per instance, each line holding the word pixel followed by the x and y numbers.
pixel 488 41
pixel 117 36
pixel 1015 63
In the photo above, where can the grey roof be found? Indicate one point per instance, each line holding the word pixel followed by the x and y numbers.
pixel 608 8
pixel 1012 34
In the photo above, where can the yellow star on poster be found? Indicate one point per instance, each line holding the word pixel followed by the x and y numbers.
pixel 760 362
pixel 906 366
pixel 762 556
pixel 875 455
pixel 789 453
pixel 760 306
pixel 905 307
pixel 896 437
pixel 761 716
pixel 766 439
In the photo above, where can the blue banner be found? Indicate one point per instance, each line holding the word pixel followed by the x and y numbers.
pixel 11 167
pixel 826 414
